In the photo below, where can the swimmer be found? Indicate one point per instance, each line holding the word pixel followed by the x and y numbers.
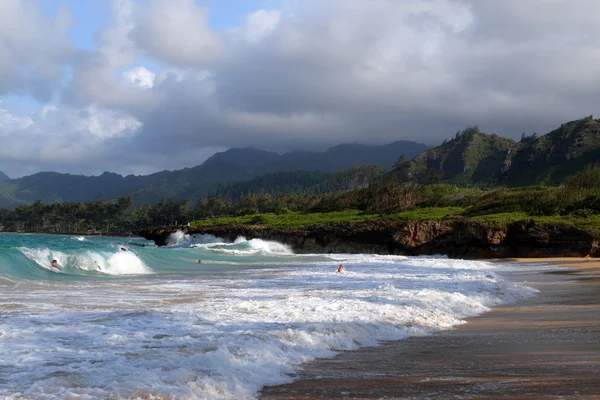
pixel 340 268
pixel 98 265
pixel 199 261
pixel 54 264
pixel 123 248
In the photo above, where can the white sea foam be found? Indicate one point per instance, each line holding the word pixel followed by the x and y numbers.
pixel 225 337
pixel 268 247
pixel 243 247
pixel 112 263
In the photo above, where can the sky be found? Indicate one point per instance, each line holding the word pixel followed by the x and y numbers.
pixel 139 86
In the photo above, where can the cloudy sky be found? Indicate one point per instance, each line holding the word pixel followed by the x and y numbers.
pixel 138 86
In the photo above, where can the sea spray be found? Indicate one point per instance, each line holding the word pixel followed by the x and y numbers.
pixel 243 247
pixel 178 238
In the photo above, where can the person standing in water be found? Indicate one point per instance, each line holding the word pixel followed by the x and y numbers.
pixel 340 268
pixel 54 264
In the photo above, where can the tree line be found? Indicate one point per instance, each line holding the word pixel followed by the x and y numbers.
pixel 383 194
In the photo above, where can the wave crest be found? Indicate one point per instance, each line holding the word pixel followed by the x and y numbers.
pixel 243 247
pixel 87 261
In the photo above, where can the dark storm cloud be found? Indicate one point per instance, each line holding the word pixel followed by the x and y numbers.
pixel 382 71
pixel 311 75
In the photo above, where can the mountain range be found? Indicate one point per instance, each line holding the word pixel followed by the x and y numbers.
pixel 470 158
pixel 233 165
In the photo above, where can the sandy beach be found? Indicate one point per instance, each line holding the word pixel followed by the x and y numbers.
pixel 547 347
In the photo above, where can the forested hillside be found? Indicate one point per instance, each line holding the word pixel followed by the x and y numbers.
pixel 213 176
pixel 552 158
pixel 470 157
pixel 473 157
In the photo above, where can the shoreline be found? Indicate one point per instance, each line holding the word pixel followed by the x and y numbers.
pixel 544 347
pixel 457 238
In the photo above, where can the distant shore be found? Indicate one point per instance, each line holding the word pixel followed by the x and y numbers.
pixel 110 234
pixel 544 347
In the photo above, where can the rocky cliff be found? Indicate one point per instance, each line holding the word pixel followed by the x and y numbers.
pixel 456 238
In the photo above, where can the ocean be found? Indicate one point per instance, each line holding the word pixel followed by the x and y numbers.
pixel 153 323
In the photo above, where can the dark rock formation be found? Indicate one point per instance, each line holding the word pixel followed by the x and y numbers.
pixel 456 238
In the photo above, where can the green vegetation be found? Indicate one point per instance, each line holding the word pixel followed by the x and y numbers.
pixel 297 220
pixel 374 197
pixel 575 203
pixel 288 220
pixel 428 214
pixel 476 158
pixel 470 157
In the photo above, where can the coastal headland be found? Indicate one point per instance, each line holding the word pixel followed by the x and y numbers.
pixel 542 348
pixel 455 238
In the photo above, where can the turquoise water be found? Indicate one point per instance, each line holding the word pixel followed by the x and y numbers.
pixel 88 258
pixel 147 322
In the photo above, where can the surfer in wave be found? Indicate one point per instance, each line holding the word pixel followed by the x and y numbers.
pixel 54 264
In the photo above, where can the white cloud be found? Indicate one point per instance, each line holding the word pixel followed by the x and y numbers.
pixel 90 122
pixel 114 42
pixel 177 31
pixel 94 75
pixel 139 77
pixel 11 123
pixel 78 139
pixel 33 49
pixel 259 25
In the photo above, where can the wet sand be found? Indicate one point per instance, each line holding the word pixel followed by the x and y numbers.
pixel 547 347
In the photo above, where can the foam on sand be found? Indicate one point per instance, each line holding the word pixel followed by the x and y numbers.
pixel 226 337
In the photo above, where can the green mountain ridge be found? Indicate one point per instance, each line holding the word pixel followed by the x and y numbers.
pixel 216 173
pixel 551 158
pixel 473 157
